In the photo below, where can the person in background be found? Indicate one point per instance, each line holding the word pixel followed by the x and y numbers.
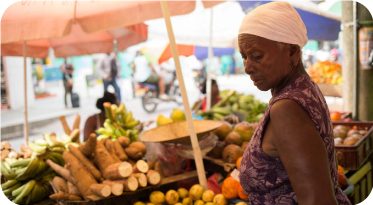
pixel 214 94
pixel 144 72
pixel 67 77
pixel 108 71
pixel 97 120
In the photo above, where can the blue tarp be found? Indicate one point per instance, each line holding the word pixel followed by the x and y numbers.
pixel 202 52
pixel 319 28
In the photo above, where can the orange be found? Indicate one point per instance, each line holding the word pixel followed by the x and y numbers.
pixel 340 169
pixel 335 116
pixel 238 163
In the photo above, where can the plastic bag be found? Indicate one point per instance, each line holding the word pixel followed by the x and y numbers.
pixel 206 144
pixel 167 157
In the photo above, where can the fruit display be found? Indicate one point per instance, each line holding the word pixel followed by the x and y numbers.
pixel 232 141
pixel 119 123
pixel 231 102
pixel 27 180
pixel 344 136
pixel 196 195
pixel 177 115
pixel 326 72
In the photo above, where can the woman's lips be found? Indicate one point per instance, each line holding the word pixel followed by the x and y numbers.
pixel 257 82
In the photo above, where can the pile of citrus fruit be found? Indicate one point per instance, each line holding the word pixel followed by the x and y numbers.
pixel 326 72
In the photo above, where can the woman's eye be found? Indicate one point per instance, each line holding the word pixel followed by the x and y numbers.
pixel 243 56
pixel 258 57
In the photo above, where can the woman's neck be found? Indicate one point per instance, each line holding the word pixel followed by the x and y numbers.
pixel 295 73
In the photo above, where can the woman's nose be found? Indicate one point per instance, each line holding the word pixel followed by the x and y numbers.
pixel 249 68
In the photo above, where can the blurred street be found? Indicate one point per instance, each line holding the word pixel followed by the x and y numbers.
pixel 45 114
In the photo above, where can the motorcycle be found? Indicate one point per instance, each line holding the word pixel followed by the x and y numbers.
pixel 149 95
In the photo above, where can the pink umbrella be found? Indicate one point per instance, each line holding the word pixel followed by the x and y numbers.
pixel 79 42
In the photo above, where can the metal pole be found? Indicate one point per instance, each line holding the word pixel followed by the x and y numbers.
pixel 25 89
pixel 188 112
pixel 355 90
pixel 211 55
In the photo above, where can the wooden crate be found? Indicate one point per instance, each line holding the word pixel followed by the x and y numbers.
pixel 331 90
pixel 353 157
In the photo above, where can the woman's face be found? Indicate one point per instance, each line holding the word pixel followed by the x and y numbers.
pixel 266 63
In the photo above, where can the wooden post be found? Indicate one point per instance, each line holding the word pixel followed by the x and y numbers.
pixel 188 112
pixel 25 88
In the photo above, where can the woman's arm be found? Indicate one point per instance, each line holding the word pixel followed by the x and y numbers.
pixel 90 126
pixel 303 153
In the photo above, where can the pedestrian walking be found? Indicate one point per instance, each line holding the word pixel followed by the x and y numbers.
pixel 108 70
pixel 67 73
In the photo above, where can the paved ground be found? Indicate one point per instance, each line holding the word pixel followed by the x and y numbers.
pixel 46 111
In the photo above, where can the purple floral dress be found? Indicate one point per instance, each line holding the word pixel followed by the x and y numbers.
pixel 263 177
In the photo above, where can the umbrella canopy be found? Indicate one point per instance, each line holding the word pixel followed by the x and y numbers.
pixel 34 20
pixel 321 25
pixel 79 42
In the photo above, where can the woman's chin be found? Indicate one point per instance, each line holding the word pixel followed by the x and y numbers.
pixel 263 88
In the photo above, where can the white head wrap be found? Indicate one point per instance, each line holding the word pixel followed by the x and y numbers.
pixel 277 21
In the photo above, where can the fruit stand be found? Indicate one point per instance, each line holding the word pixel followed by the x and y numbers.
pixel 112 167
pixel 328 76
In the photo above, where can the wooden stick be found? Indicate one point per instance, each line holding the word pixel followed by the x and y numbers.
pixel 188 114
pixel 118 171
pixel 153 177
pixel 76 122
pixel 120 151
pixel 116 188
pixel 101 190
pixel 25 89
pixel 140 167
pixel 65 126
pixel 88 164
pixel 141 178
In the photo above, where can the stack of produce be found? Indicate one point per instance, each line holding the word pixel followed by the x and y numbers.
pixel 232 189
pixel 231 102
pixel 232 141
pixel 326 72
pixel 342 179
pixel 196 195
pixel 27 180
pixel 344 136
pixel 8 152
pixel 101 168
pixel 118 123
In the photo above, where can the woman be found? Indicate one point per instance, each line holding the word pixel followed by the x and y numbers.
pixel 67 72
pixel 290 159
pixel 97 120
pixel 215 98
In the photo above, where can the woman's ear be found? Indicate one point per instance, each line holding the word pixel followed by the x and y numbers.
pixel 294 54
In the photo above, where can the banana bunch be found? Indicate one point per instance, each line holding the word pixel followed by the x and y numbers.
pixel 28 179
pixel 216 113
pixel 119 122
pixel 232 102
pixel 28 192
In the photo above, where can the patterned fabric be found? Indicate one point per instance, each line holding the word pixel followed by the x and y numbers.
pixel 264 177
